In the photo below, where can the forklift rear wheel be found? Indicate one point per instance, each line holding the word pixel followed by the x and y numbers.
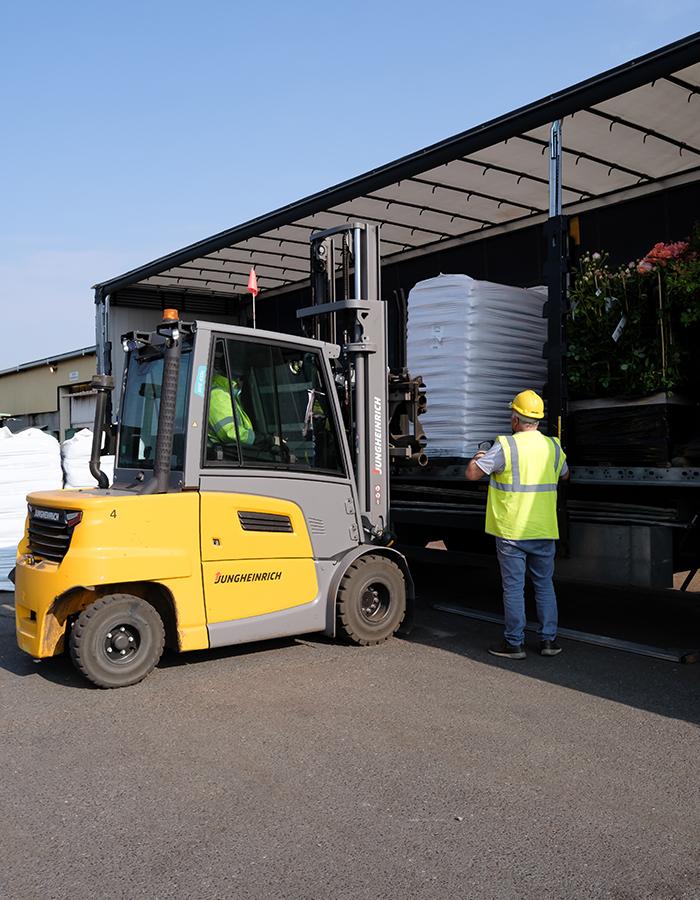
pixel 371 600
pixel 117 640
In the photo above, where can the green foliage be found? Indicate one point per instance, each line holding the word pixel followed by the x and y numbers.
pixel 632 328
pixel 683 291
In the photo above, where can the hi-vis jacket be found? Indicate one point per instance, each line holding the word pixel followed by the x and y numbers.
pixel 522 499
pixel 222 429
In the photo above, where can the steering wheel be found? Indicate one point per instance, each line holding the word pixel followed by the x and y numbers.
pixel 278 451
pixel 281 450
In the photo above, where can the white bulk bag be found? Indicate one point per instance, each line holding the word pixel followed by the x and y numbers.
pixel 476 344
pixel 75 458
pixel 29 461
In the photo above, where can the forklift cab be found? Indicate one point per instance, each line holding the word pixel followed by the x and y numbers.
pixel 271 405
pixel 245 400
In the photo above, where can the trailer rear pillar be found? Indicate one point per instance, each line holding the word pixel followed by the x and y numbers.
pixel 102 342
pixel 557 275
pixel 557 282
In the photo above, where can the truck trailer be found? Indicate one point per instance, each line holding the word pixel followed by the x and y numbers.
pixel 611 164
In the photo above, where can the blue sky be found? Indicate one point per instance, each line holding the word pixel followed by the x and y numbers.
pixel 134 128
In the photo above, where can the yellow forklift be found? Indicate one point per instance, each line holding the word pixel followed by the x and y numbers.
pixel 251 489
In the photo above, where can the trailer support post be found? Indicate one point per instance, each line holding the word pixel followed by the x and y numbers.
pixel 102 342
pixel 102 384
pixel 557 281
pixel 555 154
pixel 557 274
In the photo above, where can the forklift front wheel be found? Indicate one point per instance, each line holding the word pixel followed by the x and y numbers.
pixel 371 600
pixel 117 640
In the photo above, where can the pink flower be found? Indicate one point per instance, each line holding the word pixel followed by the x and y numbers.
pixel 661 253
pixel 677 249
pixel 645 266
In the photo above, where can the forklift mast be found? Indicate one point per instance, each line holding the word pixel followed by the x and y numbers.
pixel 380 409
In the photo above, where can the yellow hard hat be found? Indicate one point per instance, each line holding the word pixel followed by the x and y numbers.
pixel 528 404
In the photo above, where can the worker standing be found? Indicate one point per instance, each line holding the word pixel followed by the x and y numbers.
pixel 521 513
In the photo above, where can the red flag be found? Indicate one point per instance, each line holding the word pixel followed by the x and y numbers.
pixel 253 283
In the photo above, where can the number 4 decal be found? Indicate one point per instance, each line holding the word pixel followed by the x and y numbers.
pixel 113 514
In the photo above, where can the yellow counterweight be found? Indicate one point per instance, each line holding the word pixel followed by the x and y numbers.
pixel 121 540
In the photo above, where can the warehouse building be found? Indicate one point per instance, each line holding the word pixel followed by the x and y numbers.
pixel 52 393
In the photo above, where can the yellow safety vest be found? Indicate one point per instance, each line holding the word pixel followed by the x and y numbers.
pixel 522 499
pixel 221 425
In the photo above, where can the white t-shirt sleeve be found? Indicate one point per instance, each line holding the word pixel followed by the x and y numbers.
pixel 492 461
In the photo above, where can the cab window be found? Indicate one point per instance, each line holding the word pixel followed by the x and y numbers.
pixel 140 409
pixel 269 406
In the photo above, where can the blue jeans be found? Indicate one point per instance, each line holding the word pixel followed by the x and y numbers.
pixel 536 558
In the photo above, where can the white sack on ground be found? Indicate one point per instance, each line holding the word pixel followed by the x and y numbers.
pixel 476 344
pixel 75 458
pixel 29 461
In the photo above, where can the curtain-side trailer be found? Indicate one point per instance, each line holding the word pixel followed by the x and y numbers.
pixel 611 164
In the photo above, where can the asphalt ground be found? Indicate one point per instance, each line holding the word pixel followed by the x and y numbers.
pixel 422 768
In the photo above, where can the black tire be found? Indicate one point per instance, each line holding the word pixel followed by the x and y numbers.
pixel 371 600
pixel 117 640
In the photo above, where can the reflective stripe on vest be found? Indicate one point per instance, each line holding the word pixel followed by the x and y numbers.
pixel 516 486
pixel 522 500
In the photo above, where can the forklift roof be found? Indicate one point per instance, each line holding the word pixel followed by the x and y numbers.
pixel 332 351
pixel 629 131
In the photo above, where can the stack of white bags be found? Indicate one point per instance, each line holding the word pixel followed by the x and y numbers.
pixel 29 461
pixel 476 344
pixel 33 461
pixel 75 457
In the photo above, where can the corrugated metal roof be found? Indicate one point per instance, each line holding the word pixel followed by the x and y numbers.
pixel 628 131
pixel 49 360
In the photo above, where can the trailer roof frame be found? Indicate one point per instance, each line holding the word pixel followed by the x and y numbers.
pixel 413 218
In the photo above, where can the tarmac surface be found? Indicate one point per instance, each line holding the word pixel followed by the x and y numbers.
pixel 421 768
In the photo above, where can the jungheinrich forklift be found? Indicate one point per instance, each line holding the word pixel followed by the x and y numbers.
pixel 251 488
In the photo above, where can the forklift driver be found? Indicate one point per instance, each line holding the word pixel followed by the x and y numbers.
pixel 221 425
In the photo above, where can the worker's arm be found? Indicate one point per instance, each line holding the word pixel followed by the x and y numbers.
pixel 222 429
pixel 474 472
pixel 565 473
pixel 485 462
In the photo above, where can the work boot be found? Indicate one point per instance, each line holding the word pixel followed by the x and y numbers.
pixel 508 651
pixel 549 648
